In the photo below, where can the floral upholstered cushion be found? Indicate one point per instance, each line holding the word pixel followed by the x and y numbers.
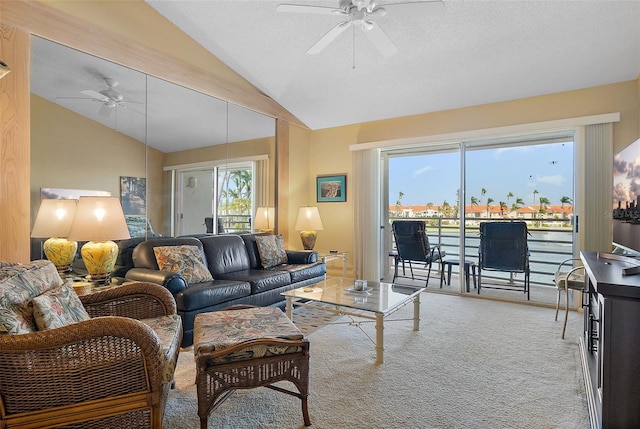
pixel 271 250
pixel 219 330
pixel 19 284
pixel 167 328
pixel 58 307
pixel 184 260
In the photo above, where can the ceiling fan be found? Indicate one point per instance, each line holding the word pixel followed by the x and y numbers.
pixel 110 98
pixel 362 14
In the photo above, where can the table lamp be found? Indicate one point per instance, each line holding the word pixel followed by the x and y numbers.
pixel 308 222
pixel 99 220
pixel 53 222
pixel 264 220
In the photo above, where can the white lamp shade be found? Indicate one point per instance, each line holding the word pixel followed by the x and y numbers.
pixel 308 219
pixel 54 218
pixel 99 219
pixel 265 218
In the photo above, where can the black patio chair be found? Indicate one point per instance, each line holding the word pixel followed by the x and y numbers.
pixel 503 247
pixel 412 244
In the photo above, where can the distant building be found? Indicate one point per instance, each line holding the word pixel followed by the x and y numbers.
pixel 483 212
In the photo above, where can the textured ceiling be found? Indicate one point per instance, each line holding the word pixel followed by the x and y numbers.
pixel 474 52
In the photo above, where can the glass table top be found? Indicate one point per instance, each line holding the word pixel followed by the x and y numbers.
pixel 378 298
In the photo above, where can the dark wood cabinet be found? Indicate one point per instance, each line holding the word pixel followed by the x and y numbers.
pixel 610 345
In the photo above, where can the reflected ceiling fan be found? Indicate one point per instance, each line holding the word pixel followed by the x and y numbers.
pixel 362 14
pixel 110 98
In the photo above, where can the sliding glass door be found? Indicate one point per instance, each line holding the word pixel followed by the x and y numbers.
pixel 456 187
pixel 215 199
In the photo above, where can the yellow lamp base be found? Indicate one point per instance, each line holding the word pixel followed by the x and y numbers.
pixel 100 258
pixel 61 252
pixel 308 239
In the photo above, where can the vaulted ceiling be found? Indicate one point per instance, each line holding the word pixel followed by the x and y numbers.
pixel 466 53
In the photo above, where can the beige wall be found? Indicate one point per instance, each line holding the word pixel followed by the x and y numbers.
pixel 69 151
pixel 329 148
pixel 265 146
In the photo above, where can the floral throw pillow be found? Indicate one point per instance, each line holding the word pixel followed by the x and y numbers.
pixel 19 284
pixel 271 250
pixel 58 307
pixel 183 260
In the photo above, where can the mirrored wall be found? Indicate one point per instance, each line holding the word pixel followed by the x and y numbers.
pixel 97 126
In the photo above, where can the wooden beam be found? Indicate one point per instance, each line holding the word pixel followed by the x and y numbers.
pixel 14 146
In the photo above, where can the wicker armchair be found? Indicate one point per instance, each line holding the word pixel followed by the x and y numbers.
pixel 111 371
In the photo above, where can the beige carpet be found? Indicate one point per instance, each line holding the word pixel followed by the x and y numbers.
pixel 474 364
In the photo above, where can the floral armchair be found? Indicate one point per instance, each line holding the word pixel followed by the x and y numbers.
pixel 111 369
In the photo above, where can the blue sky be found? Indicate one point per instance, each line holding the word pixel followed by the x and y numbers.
pixel 520 170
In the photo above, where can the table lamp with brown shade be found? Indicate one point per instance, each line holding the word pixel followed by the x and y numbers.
pixel 53 222
pixel 308 222
pixel 264 220
pixel 99 220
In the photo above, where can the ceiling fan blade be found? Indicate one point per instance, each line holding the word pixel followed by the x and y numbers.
pixel 429 7
pixel 299 8
pixel 380 39
pixel 94 94
pixel 328 38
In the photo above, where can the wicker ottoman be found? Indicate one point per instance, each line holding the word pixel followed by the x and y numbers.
pixel 245 348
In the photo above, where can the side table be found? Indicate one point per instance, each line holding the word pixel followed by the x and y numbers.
pixel 336 256
pixel 449 263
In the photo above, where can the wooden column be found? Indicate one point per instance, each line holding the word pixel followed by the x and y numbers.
pixel 14 146
pixel 282 179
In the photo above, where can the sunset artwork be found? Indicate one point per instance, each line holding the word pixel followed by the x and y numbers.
pixel 626 176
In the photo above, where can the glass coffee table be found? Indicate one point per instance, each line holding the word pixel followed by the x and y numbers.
pixel 378 302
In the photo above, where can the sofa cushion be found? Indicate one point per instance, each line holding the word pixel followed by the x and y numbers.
pixel 19 284
pixel 225 254
pixel 271 249
pixel 261 280
pixel 207 294
pixel 143 256
pixel 58 307
pixel 303 272
pixel 183 260
pixel 252 249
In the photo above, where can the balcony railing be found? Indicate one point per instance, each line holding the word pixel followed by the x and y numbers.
pixel 550 242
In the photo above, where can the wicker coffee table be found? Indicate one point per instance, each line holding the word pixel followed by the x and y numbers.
pixel 377 303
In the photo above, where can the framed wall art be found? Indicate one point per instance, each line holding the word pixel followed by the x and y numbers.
pixel 133 194
pixel 331 188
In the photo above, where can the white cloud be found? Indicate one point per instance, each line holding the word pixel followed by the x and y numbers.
pixel 421 171
pixel 556 180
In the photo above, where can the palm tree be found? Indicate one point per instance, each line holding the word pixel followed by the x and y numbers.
pixel 535 192
pixel 565 200
pixel 517 204
pixel 509 196
pixel 399 202
pixel 503 207
pixel 446 208
pixel 483 192
pixel 489 201
pixel 544 201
